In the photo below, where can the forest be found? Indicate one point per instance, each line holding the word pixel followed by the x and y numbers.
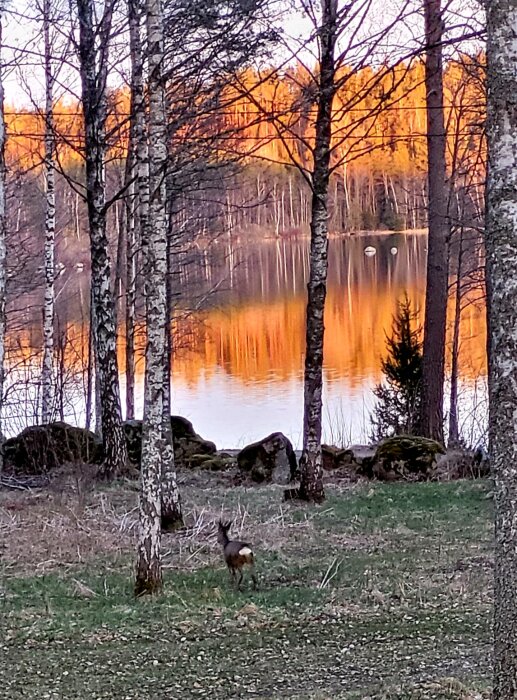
pixel 290 227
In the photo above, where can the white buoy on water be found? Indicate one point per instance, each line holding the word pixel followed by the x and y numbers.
pixel 369 251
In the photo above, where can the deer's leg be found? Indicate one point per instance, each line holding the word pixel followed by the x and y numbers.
pixel 241 576
pixel 254 578
pixel 232 575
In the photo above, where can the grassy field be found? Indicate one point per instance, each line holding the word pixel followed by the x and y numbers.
pixel 384 591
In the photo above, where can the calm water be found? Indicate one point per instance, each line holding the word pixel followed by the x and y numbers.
pixel 238 368
pixel 239 375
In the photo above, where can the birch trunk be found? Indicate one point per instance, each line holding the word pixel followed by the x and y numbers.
pixel 138 194
pixel 501 263
pixel 433 359
pixel 3 226
pixel 93 69
pixel 47 379
pixel 172 517
pixel 311 482
pixel 155 450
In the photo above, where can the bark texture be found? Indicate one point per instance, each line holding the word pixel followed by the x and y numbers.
pixel 501 248
pixel 136 202
pixel 311 483
pixel 433 360
pixel 47 379
pixel 3 225
pixel 156 451
pixel 93 56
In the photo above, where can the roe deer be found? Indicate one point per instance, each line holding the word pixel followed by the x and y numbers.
pixel 237 555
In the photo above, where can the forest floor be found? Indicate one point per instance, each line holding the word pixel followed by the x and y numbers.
pixel 384 591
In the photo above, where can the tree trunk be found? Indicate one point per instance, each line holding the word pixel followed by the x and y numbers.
pixel 501 249
pixel 131 280
pixel 137 211
pixel 454 436
pixel 3 226
pixel 311 482
pixel 93 69
pixel 47 378
pixel 433 361
pixel 172 517
pixel 155 451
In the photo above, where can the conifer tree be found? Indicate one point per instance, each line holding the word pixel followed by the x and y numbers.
pixel 399 396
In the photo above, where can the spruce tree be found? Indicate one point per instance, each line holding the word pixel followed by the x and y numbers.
pixel 399 395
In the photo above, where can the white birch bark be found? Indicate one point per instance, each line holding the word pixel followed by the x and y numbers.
pixel 47 378
pixel 311 481
pixel 3 225
pixel 93 57
pixel 501 249
pixel 137 202
pixel 156 450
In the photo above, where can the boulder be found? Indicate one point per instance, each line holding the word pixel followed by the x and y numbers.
pixel 361 456
pixel 462 464
pixel 269 460
pixel 42 448
pixel 354 458
pixel 187 442
pixel 332 457
pixel 189 447
pixel 405 457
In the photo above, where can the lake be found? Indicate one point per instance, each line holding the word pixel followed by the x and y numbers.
pixel 240 317
pixel 240 374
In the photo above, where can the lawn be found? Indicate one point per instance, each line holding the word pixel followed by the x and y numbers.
pixel 384 591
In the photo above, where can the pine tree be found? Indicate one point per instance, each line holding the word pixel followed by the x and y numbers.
pixel 399 396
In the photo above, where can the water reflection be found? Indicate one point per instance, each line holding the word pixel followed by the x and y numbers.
pixel 239 375
pixel 238 364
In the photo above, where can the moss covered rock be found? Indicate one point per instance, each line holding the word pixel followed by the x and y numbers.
pixel 190 449
pixel 42 448
pixel 270 459
pixel 405 457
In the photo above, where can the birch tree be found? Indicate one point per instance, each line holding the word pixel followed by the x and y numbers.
pixel 327 98
pixel 157 453
pixel 311 482
pixel 94 41
pixel 501 249
pixel 47 379
pixel 3 220
pixel 433 358
pixel 137 169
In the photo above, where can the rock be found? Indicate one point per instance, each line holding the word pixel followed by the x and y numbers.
pixel 271 459
pixel 462 464
pixel 190 449
pixel 213 463
pixel 187 442
pixel 133 431
pixel 404 457
pixel 42 448
pixel 332 457
pixel 354 458
pixel 360 455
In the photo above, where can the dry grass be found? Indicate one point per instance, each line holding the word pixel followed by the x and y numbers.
pixel 384 591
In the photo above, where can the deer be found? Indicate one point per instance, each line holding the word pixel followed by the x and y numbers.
pixel 237 555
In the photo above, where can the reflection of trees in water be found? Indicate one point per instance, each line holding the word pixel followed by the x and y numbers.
pixel 251 328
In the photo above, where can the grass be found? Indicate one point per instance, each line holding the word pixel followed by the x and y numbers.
pixel 384 591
